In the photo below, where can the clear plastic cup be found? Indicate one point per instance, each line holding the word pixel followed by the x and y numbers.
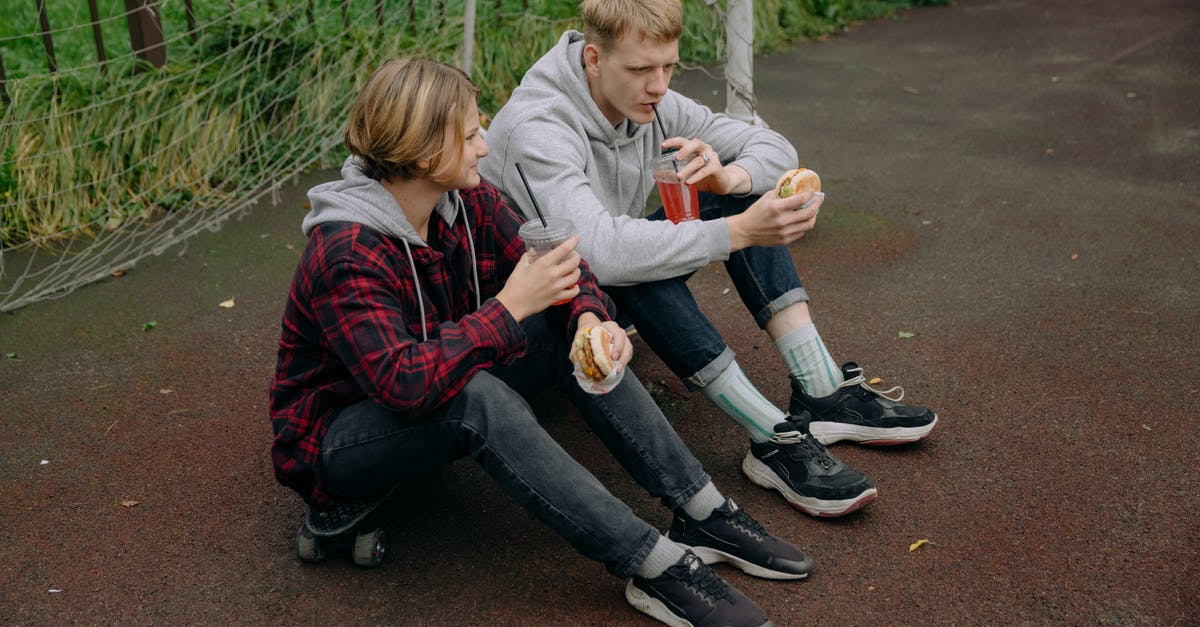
pixel 540 239
pixel 680 201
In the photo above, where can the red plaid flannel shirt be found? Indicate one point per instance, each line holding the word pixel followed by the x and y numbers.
pixel 352 327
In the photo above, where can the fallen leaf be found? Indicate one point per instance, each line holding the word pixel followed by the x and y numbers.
pixel 1146 427
pixel 904 335
pixel 875 381
pixel 1074 256
pixel 918 544
pixel 870 588
pixel 911 90
pixel 1049 152
pixel 10 355
pixel 149 325
pixel 45 461
pixel 119 272
pixel 129 503
pixel 725 292
pixel 226 304
pixel 165 391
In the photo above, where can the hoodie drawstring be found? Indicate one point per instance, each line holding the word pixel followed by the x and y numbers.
pixel 462 210
pixel 417 285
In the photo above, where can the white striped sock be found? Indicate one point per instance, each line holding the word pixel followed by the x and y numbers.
pixel 736 396
pixel 809 361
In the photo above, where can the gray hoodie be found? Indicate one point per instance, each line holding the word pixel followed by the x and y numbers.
pixel 598 176
pixel 362 200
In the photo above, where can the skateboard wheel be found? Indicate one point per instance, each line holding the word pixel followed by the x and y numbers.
pixel 308 547
pixel 369 548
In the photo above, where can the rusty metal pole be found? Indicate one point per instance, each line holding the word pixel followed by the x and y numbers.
pixel 4 84
pixel 97 35
pixel 145 32
pixel 47 40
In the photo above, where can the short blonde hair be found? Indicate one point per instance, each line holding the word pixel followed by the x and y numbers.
pixel 606 21
pixel 404 115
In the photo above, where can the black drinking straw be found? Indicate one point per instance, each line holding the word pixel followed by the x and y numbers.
pixel 531 198
pixel 663 130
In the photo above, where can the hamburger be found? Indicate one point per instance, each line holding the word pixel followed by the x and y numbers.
pixel 593 352
pixel 796 181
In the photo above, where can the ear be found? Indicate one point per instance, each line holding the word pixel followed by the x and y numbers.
pixel 591 59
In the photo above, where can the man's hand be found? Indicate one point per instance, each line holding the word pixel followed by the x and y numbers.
pixel 622 348
pixel 774 221
pixel 535 284
pixel 699 165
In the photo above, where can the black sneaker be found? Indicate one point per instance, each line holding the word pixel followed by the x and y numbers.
pixel 690 594
pixel 729 534
pixel 857 412
pixel 806 473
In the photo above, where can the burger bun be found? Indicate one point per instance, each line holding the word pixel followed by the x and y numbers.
pixel 798 181
pixel 593 352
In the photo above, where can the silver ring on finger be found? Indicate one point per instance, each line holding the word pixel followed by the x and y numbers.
pixel 704 155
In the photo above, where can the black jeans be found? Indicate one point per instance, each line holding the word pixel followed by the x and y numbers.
pixel 369 448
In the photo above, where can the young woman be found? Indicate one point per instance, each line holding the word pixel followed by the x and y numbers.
pixel 415 322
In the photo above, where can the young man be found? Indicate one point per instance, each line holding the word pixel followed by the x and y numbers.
pixel 582 126
pixel 416 322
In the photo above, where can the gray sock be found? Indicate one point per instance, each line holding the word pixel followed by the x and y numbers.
pixel 702 504
pixel 664 555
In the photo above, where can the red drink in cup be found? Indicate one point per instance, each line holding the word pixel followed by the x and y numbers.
pixel 680 200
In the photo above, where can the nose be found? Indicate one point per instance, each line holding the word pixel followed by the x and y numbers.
pixel 659 82
pixel 482 149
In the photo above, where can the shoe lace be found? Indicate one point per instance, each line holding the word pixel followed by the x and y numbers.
pixel 705 581
pixel 742 519
pixel 806 443
pixel 861 381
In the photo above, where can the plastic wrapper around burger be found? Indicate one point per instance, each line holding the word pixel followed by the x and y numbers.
pixel 587 383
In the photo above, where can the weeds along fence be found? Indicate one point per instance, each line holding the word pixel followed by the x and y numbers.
pixel 111 151
pixel 126 126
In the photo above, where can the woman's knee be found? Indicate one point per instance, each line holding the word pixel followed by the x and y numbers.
pixel 488 406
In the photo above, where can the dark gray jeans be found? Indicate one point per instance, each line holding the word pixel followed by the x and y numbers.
pixel 369 448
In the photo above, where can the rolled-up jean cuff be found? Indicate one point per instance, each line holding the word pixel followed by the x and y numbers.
pixel 787 299
pixel 676 501
pixel 704 376
pixel 627 568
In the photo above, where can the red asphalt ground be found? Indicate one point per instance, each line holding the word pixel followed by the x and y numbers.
pixel 1013 183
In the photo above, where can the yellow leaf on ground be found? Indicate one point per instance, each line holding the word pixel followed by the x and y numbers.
pixel 129 503
pixel 875 381
pixel 918 544
pixel 227 304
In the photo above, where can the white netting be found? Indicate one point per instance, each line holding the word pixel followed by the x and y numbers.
pixel 101 165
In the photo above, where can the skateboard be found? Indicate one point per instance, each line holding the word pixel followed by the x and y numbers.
pixel 345 524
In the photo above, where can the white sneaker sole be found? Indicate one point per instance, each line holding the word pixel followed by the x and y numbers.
pixel 655 609
pixel 827 432
pixel 713 556
pixel 762 475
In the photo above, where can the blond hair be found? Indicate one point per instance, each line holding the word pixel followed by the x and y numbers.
pixel 410 111
pixel 606 21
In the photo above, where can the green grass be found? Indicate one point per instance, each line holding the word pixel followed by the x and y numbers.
pixel 251 95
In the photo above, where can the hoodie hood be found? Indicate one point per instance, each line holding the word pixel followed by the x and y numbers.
pixel 561 71
pixel 362 200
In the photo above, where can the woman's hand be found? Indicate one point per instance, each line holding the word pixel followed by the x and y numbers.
pixel 538 282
